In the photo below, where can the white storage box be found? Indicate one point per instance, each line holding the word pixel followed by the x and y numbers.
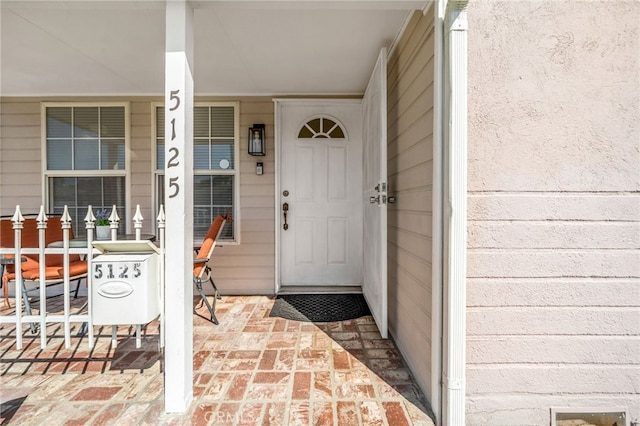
pixel 125 287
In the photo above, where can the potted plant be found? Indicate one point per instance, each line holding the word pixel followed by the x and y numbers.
pixel 102 224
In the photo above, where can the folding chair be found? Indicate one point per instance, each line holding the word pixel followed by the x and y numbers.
pixel 201 268
pixel 54 271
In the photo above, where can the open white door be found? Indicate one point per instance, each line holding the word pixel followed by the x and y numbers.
pixel 374 179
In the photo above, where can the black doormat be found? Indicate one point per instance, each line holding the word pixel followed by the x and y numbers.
pixel 320 307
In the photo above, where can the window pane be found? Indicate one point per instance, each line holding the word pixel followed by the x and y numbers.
pixel 63 191
pixel 160 154
pixel 85 138
pixel 112 155
pixel 78 193
pixel 112 122
pixel 59 122
pixel 222 193
pixel 305 133
pixel 213 195
pixel 202 190
pixel 222 150
pixel 222 122
pixel 89 191
pixel 59 155
pixel 337 133
pixel 84 154
pixel 85 122
pixel 201 122
pixel 160 122
pixel 88 149
pixel 213 149
pixel 201 154
pixel 327 125
pixel 113 190
pixel 315 125
pixel 160 188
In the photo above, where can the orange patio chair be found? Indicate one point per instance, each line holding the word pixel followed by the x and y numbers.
pixel 201 267
pixel 30 265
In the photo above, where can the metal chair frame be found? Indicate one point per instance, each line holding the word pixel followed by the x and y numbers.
pixel 202 269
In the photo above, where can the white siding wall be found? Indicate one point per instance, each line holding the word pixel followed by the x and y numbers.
pixel 410 165
pixel 247 268
pixel 553 315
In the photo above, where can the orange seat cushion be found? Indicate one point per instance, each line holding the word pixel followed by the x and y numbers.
pixel 30 238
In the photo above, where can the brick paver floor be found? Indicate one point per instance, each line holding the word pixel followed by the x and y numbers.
pixel 251 369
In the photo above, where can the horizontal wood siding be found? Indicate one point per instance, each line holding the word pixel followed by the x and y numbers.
pixel 20 164
pixel 142 146
pixel 250 267
pixel 410 153
pixel 553 317
pixel 247 268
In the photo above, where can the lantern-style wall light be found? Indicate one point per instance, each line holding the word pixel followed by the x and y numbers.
pixel 257 143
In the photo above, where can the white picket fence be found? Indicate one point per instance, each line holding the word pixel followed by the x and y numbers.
pixel 20 317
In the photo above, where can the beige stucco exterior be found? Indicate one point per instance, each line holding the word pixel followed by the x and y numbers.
pixel 553 316
pixel 553 280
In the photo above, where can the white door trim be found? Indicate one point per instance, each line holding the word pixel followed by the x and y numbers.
pixel 279 103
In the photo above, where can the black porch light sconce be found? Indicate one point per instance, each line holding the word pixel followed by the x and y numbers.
pixel 257 143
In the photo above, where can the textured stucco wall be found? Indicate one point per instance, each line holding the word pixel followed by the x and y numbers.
pixel 553 315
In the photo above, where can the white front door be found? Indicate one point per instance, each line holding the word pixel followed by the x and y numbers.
pixel 319 191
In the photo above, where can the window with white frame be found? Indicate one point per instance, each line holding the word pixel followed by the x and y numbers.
pixel 85 158
pixel 215 164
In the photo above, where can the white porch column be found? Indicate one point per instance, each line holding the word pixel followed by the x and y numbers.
pixel 178 183
pixel 455 239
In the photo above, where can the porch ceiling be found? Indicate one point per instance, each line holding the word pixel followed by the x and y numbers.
pixel 89 47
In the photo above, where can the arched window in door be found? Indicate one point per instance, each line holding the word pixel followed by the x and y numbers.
pixel 321 127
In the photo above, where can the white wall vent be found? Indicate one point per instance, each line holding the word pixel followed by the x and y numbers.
pixel 589 416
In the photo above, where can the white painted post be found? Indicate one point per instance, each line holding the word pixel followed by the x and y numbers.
pixel 42 226
pixel 114 223
pixel 161 226
pixel 178 182
pixel 90 225
pixel 137 222
pixel 66 226
pixel 18 221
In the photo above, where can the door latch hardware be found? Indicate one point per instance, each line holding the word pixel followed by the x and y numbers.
pixel 285 209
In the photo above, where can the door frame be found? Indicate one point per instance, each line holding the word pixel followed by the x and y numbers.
pixel 278 104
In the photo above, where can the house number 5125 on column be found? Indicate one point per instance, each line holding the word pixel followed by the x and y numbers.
pixel 121 270
pixel 174 155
